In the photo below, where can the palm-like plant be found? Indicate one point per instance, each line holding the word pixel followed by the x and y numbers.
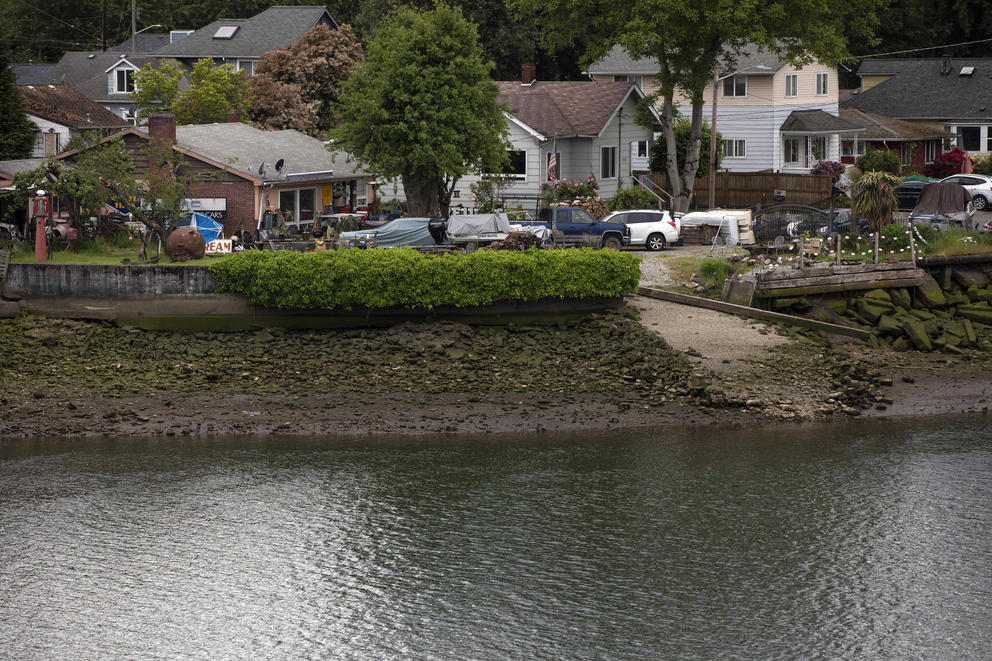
pixel 874 198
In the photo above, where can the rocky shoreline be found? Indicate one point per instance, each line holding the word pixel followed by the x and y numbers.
pixel 73 378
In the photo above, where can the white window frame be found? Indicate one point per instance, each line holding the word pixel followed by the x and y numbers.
pixel 822 84
pixel 612 152
pixel 734 148
pixel 646 150
pixel 857 148
pixel 732 81
pixel 250 70
pixel 930 151
pixel 791 85
pixel 785 150
pixel 906 153
pixel 125 71
pixel 318 207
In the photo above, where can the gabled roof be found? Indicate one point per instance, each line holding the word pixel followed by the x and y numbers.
pixel 276 27
pixel 31 74
pixel 816 121
pixel 916 89
pixel 66 106
pixel 565 108
pixel 880 127
pixel 619 62
pixel 148 42
pixel 87 72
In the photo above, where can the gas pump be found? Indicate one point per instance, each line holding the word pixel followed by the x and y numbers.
pixel 39 211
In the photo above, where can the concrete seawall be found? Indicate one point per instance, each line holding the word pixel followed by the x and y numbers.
pixel 186 298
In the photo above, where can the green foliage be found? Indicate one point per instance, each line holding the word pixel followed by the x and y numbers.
pixel 874 160
pixel 659 155
pixel 983 164
pixel 213 91
pixel 632 198
pixel 948 163
pixel 874 198
pixel 958 241
pixel 563 190
pixel 715 270
pixel 16 130
pixel 488 192
pixel 404 277
pixel 422 107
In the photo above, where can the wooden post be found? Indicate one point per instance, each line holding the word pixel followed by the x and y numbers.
pixel 838 248
pixel 801 253
pixel 876 247
pixel 912 245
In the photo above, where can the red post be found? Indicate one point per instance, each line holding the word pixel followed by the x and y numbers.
pixel 39 208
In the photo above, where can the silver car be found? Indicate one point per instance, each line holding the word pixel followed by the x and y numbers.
pixel 979 186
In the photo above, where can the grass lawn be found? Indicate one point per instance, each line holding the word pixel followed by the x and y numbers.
pixel 101 254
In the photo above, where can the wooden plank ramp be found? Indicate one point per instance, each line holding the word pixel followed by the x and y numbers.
pixel 831 279
pixel 752 313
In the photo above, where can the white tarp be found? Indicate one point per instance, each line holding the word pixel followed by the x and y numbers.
pixel 727 224
pixel 480 223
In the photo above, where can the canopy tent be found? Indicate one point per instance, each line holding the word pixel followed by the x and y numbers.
pixel 205 225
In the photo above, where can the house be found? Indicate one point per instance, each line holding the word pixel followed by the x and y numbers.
pixel 61 113
pixel 916 144
pixel 589 124
pixel 242 41
pixel 771 115
pixel 107 77
pixel 10 212
pixel 945 93
pixel 242 170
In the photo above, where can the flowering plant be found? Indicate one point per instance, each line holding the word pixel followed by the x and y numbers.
pixel 946 164
pixel 563 189
pixel 832 168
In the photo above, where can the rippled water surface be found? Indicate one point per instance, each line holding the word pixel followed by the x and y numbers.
pixel 866 542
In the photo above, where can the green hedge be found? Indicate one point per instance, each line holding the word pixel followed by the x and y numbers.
pixel 403 277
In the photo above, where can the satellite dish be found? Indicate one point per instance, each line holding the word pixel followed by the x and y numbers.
pixel 262 169
pixel 279 165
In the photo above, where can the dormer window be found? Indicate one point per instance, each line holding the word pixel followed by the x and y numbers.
pixel 225 32
pixel 124 81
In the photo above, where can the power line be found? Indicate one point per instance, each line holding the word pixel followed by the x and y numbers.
pixel 42 11
pixel 915 50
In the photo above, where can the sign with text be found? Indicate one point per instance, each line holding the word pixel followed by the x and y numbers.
pixel 219 247
pixel 213 207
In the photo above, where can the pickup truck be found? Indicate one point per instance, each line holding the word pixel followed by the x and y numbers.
pixel 577 226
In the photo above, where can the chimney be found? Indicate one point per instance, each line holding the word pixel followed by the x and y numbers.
pixel 162 127
pixel 233 116
pixel 945 65
pixel 528 73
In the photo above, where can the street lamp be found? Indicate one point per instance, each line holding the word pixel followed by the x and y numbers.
pixel 135 33
pixel 713 159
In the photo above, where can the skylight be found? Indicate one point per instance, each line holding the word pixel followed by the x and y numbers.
pixel 967 71
pixel 225 31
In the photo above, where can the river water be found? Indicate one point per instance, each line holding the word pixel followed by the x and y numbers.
pixel 862 541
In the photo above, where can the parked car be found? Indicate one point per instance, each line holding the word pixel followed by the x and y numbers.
pixel 577 224
pixel 979 186
pixel 908 192
pixel 650 228
pixel 399 232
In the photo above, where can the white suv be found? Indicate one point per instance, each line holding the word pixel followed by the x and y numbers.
pixel 979 186
pixel 650 228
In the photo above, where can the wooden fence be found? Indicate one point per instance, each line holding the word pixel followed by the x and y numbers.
pixel 736 190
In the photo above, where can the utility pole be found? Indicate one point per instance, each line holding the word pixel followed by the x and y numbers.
pixel 134 26
pixel 713 161
pixel 104 33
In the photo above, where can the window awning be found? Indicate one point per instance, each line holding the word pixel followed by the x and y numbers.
pixel 816 122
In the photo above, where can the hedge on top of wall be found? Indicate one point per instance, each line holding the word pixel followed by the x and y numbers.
pixel 404 277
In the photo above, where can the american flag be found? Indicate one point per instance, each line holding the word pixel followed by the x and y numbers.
pixel 552 166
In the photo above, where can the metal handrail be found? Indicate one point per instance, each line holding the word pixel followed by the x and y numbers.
pixel 648 184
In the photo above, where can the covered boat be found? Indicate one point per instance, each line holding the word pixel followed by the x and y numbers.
pixel 944 205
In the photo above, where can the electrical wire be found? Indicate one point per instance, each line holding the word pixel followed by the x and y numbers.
pixel 42 11
pixel 915 50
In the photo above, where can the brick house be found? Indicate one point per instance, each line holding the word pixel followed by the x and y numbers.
pixel 243 170
pixel 916 144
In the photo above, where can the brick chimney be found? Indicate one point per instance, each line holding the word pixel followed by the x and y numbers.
pixel 945 65
pixel 233 116
pixel 161 135
pixel 528 73
pixel 162 127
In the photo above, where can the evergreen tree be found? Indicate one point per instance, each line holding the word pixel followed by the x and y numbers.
pixel 16 130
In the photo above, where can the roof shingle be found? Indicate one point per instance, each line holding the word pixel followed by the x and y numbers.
pixel 564 108
pixel 66 106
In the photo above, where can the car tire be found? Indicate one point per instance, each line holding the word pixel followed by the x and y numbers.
pixel 612 243
pixel 981 203
pixel 656 242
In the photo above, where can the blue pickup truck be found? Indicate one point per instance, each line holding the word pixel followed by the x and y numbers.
pixel 579 227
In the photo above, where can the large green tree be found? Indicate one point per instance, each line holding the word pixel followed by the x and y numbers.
pixel 213 91
pixel 422 107
pixel 692 40
pixel 16 130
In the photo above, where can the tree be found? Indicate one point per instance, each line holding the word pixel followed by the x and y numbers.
pixel 315 67
pixel 878 160
pixel 16 130
pixel 422 107
pixel 276 106
pixel 692 40
pixel 874 198
pixel 213 91
pixel 683 127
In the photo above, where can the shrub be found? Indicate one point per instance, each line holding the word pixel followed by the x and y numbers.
pixel 404 277
pixel 633 198
pixel 563 190
pixel 715 270
pixel 983 164
pixel 874 160
pixel 875 199
pixel 946 164
pixel 832 168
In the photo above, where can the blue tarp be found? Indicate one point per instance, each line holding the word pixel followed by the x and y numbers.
pixel 205 225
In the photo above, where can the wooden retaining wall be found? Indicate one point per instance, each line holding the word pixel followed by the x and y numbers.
pixel 831 279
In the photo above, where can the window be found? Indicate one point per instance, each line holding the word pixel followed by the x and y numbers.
pixel 822 84
pixel 630 78
pixel 298 205
pixel 733 148
pixel 852 147
pixel 791 150
pixel 517 167
pixel 51 144
pixel 969 138
pixel 641 149
pixel 248 66
pixel 931 151
pixel 792 84
pixel 124 81
pixel 906 153
pixel 226 31
pixel 735 86
pixel 817 150
pixel 988 140
pixel 608 162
